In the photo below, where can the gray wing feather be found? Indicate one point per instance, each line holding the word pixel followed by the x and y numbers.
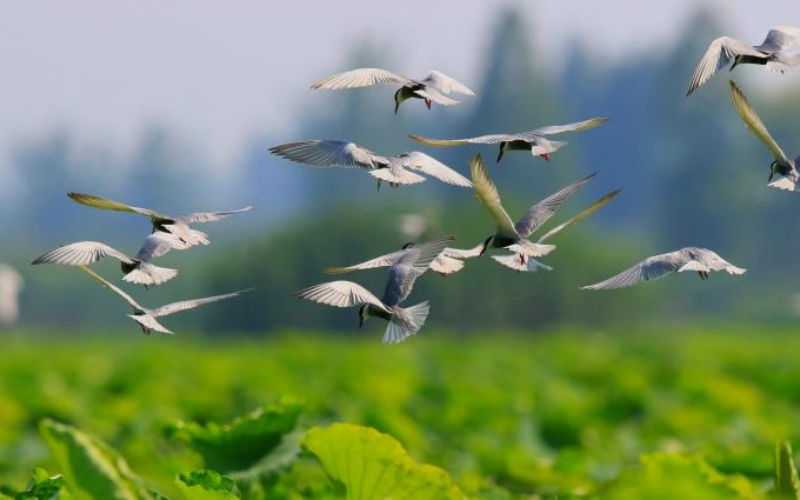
pixel 569 127
pixel 81 253
pixel 329 153
pixel 340 294
pixel 362 77
pixel 387 260
pixel 113 288
pixel 719 54
pixel 650 269
pixel 191 304
pixel 201 217
pixel 159 244
pixel 446 84
pixel 431 166
pixel 779 38
pixel 410 267
pixel 545 209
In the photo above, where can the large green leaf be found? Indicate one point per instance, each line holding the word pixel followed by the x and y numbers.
pixel 374 466
pixel 261 442
pixel 92 469
pixel 207 485
pixel 787 484
pixel 42 486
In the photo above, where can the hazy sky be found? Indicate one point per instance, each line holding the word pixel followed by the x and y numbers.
pixel 219 72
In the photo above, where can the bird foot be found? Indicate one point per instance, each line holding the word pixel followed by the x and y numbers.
pixel 428 103
pixel 545 156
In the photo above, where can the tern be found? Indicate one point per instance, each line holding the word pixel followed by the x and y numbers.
pixel 771 53
pixel 449 261
pixel 782 166
pixel 403 321
pixel 396 170
pixel 534 141
pixel 179 226
pixel 430 89
pixel 147 317
pixel 137 269
pixel 700 260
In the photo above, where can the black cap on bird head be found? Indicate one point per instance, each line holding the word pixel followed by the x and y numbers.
pixel 407 246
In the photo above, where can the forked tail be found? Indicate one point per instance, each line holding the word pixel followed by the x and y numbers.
pixel 149 275
pixel 406 322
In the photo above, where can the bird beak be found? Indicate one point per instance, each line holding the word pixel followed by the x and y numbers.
pixel 500 155
pixel 771 175
pixel 360 321
pixel 396 106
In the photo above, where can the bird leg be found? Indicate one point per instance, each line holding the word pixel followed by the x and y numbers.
pixel 379 184
pixel 428 103
pixel 545 156
pixel 703 275
pixel 522 259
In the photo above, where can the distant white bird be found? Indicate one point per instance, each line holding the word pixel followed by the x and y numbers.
pixel 11 284
pixel 396 170
pixel 147 317
pixel 771 53
pixel 700 260
pixel 534 141
pixel 782 166
pixel 179 226
pixel 413 226
pixel 137 269
pixel 449 260
pixel 430 89
pixel 403 321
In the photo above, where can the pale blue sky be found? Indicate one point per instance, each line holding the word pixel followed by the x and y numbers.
pixel 219 72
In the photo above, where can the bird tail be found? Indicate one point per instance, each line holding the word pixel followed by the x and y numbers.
pixel 783 62
pixel 694 265
pixel 530 249
pixel 149 275
pixel 784 183
pixel 525 264
pixel 397 176
pixel 406 322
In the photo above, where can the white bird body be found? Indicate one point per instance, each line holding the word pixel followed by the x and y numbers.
pixel 11 283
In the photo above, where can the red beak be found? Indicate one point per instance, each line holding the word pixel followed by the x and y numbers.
pixel 545 156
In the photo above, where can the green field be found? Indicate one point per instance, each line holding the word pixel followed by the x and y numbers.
pixel 645 414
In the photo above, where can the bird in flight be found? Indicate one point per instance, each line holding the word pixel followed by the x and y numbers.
pixel 535 141
pixel 700 260
pixel 433 88
pixel 771 53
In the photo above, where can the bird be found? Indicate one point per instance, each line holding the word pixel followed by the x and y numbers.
pixel 700 260
pixel 179 226
pixel 137 270
pixel 11 284
pixel 449 261
pixel 396 170
pixel 147 317
pixel 521 264
pixel 508 235
pixel 782 166
pixel 534 141
pixel 430 89
pixel 403 321
pixel 771 53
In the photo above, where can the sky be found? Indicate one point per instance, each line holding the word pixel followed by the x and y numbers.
pixel 221 73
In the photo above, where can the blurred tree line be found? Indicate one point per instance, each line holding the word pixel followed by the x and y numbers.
pixel 690 174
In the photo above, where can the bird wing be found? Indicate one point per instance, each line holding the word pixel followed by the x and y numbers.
pixel 650 269
pixel 113 288
pixel 436 169
pixel 755 124
pixel 435 96
pixel 483 139
pixel 487 194
pixel 106 204
pixel 719 54
pixel 150 322
pixel 580 216
pixel 411 266
pixel 191 304
pixel 779 38
pixel 542 211
pixel 202 217
pixel 341 294
pixel 396 174
pixel 387 260
pixel 82 253
pixel 159 244
pixel 713 261
pixel 362 77
pixel 328 153
pixel 569 127
pixel 446 84
pixel 459 253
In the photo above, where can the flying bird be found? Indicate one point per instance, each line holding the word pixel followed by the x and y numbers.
pixel 534 141
pixel 700 260
pixel 147 317
pixel 396 170
pixel 403 321
pixel 771 53
pixel 137 269
pixel 782 166
pixel 179 226
pixel 433 88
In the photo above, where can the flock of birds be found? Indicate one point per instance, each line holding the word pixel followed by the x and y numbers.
pixel 413 260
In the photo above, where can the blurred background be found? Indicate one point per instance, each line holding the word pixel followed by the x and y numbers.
pixel 173 107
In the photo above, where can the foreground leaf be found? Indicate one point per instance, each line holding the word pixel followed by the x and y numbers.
pixel 374 466
pixel 207 485
pixel 42 486
pixel 92 469
pixel 787 484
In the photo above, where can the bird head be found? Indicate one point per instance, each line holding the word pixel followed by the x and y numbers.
pixel 399 98
pixel 407 246
pixel 363 314
pixel 486 245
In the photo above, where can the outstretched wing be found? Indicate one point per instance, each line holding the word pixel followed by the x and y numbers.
pixel 328 153
pixel 569 127
pixel 582 215
pixel 201 217
pixel 483 139
pixel 362 77
pixel 340 294
pixel 446 84
pixel 191 304
pixel 780 38
pixel 719 54
pixel 159 244
pixel 650 269
pixel 542 211
pixel 113 288
pixel 387 260
pixel 436 169
pixel 82 253
pixel 754 123
pixel 487 194
pixel 411 266
pixel 107 204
